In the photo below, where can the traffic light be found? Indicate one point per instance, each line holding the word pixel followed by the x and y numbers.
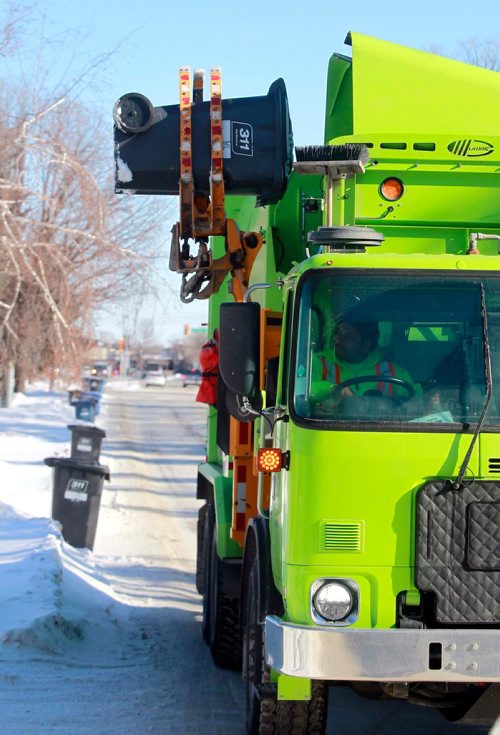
pixel 186 329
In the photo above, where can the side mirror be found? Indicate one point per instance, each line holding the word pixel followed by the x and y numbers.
pixel 239 348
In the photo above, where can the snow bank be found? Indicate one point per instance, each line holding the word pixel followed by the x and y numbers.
pixel 35 428
pixel 51 595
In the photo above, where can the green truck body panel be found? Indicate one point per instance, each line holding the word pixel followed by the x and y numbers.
pixel 364 483
pixel 391 89
pixel 222 492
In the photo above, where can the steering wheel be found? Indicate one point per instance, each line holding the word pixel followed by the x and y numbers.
pixel 375 379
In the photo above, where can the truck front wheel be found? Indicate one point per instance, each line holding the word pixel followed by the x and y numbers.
pixel 265 714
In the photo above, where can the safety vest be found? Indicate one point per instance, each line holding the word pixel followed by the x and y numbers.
pixel 382 367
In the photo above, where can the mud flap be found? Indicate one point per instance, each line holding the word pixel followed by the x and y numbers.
pixel 485 710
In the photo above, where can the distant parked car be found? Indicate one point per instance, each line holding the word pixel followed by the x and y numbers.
pixel 193 377
pixel 154 377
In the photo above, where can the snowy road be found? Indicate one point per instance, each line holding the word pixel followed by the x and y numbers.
pixel 109 642
pixel 155 437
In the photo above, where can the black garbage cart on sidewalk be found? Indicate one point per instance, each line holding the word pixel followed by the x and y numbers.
pixel 86 442
pixel 76 498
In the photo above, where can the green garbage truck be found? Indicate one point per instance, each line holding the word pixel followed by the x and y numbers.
pixel 350 527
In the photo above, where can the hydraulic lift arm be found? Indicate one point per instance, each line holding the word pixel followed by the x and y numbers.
pixel 202 214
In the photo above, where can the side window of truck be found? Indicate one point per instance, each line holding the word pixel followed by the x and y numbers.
pixel 282 398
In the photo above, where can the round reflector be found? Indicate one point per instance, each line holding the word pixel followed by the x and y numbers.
pixel 269 460
pixel 392 189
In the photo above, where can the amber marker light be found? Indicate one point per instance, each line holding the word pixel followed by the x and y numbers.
pixel 392 189
pixel 269 460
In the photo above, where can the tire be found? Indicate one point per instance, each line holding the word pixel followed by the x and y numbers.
pixel 266 715
pixel 224 616
pixel 254 673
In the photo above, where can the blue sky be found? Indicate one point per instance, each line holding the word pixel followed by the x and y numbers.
pixel 254 42
pixel 257 41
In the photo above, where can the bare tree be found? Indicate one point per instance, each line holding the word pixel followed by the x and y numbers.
pixel 67 242
pixel 11 27
pixel 473 50
pixel 485 53
pixel 145 337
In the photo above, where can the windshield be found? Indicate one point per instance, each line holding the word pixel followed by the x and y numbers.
pixel 406 348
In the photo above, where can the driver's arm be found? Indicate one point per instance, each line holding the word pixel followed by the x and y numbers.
pixel 320 388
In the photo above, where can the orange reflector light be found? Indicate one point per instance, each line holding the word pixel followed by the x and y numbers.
pixel 269 460
pixel 392 189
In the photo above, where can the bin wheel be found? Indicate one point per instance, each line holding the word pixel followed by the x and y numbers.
pixel 264 713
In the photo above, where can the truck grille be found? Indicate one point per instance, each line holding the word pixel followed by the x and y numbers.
pixel 342 536
pixel 458 550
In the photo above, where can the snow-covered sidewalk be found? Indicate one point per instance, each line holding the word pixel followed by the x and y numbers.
pixel 49 591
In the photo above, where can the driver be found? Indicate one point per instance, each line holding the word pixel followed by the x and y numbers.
pixel 356 354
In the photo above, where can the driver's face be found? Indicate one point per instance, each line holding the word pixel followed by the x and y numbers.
pixel 350 346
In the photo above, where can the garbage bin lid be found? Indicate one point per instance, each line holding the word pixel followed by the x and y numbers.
pixel 87 399
pixel 87 429
pixel 91 467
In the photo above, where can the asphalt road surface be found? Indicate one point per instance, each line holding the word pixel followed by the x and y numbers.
pixel 155 439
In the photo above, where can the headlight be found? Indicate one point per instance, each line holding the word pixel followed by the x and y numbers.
pixel 335 601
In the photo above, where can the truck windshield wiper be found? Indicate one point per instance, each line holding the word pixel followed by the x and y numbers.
pixel 457 484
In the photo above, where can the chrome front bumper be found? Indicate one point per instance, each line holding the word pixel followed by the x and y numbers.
pixel 398 654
